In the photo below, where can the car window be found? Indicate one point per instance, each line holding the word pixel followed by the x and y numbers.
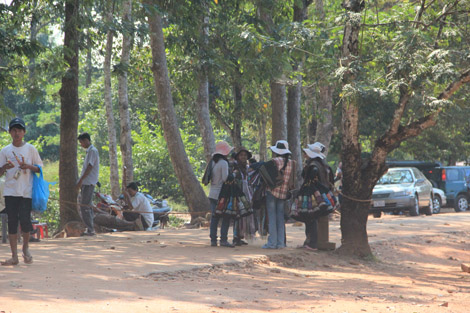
pixel 453 174
pixel 396 177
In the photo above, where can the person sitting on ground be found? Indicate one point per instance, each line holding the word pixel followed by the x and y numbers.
pixel 115 220
pixel 140 206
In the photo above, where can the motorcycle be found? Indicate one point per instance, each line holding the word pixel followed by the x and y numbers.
pixel 161 210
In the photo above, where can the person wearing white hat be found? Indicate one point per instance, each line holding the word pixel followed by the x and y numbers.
pixel 315 170
pixel 219 175
pixel 276 197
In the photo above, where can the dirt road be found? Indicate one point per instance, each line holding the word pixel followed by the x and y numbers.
pixel 417 269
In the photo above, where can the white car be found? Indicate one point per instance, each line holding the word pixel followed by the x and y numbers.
pixel 439 200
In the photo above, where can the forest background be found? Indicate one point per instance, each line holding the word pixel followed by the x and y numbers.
pixel 157 83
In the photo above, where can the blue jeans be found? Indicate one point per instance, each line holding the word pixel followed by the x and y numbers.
pixel 276 224
pixel 215 223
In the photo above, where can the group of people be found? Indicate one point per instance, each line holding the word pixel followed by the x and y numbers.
pixel 315 171
pixel 20 159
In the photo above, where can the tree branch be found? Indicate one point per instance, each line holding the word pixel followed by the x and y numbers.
pixel 391 141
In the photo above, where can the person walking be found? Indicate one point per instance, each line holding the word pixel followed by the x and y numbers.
pixel 277 196
pixel 86 183
pixel 315 171
pixel 219 175
pixel 19 160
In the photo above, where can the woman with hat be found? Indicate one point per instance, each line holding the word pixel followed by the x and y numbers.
pixel 245 226
pixel 315 170
pixel 277 196
pixel 218 177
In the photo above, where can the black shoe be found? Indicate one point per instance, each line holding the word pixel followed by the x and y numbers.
pixel 226 244
pixel 243 242
pixel 213 243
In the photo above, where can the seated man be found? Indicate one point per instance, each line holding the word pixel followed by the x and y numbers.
pixel 140 208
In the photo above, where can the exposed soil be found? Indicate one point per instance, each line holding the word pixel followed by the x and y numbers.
pixel 177 271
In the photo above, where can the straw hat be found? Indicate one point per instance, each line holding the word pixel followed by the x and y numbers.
pixel 240 149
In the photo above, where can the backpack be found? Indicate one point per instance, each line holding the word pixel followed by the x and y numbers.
pixel 206 179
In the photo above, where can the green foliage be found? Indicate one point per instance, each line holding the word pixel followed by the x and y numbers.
pixel 153 168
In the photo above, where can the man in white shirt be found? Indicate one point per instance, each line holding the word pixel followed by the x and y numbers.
pixel 139 204
pixel 86 183
pixel 19 160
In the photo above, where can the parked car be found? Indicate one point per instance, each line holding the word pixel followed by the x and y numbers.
pixel 453 180
pixel 402 189
pixel 439 200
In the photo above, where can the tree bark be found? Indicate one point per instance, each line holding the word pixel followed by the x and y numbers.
pixel 278 105
pixel 192 190
pixel 202 105
pixel 325 115
pixel 125 137
pixel 324 108
pixel 262 139
pixel 357 189
pixel 293 133
pixel 89 67
pixel 236 133
pixel 294 100
pixel 69 107
pixel 113 160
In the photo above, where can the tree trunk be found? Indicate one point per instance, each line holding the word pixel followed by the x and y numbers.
pixel 278 104
pixel 236 133
pixel 294 100
pixel 202 105
pixel 293 133
pixel 192 190
pixel 89 68
pixel 356 187
pixel 203 116
pixel 125 139
pixel 69 107
pixel 325 116
pixel 262 139
pixel 324 112
pixel 113 161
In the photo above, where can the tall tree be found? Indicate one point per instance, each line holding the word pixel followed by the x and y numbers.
pixel 409 80
pixel 192 190
pixel 113 158
pixel 202 101
pixel 125 141
pixel 294 96
pixel 69 108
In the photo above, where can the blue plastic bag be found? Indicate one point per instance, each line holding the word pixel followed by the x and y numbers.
pixel 40 191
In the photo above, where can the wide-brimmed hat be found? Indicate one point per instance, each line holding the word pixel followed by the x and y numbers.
pixel 240 149
pixel 222 148
pixel 281 147
pixel 16 122
pixel 315 150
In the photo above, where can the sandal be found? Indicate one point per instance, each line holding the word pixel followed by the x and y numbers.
pixel 10 262
pixel 28 259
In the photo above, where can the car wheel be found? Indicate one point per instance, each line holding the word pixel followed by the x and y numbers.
pixel 436 204
pixel 461 204
pixel 414 211
pixel 377 214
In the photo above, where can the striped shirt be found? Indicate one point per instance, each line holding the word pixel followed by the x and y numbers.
pixel 280 191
